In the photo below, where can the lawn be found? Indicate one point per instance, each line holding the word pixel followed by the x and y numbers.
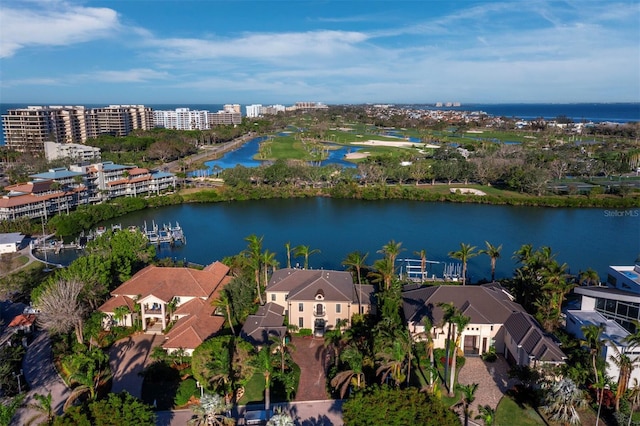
pixel 508 410
pixel 253 390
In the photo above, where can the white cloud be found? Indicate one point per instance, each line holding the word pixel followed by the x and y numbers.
pixel 136 75
pixel 52 24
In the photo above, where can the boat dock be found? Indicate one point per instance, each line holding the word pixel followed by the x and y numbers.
pixel 167 234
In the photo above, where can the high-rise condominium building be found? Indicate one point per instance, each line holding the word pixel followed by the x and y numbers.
pixel 182 119
pixel 26 129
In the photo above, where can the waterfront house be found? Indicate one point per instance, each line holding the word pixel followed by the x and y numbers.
pixel 613 335
pixel 618 300
pixel 11 242
pixel 496 321
pixel 317 299
pixel 181 296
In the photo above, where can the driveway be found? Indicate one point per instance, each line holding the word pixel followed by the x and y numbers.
pixel 492 379
pixel 42 378
pixel 310 356
pixel 128 357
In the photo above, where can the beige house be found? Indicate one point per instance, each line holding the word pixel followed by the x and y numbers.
pixel 495 321
pixel 166 294
pixel 317 299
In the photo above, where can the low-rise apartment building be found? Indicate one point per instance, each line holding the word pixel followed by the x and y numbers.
pixel 62 190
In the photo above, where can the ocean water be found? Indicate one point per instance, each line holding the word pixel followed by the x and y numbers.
pixel 596 112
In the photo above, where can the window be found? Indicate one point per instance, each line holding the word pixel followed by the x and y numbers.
pixel 273 297
pixel 301 322
pixel 300 307
pixel 338 308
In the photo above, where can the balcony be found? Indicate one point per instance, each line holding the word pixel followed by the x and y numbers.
pixel 319 312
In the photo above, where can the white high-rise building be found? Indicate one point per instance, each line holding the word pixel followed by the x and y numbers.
pixel 254 110
pixel 182 119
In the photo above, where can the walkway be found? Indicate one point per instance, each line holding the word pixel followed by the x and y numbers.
pixel 310 356
pixel 492 379
pixel 42 377
pixel 127 358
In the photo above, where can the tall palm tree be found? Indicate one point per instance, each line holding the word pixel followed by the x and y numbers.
pixel 634 399
pixel 494 254
pixel 305 251
pixel 224 302
pixel 467 398
pixel 354 376
pixel 626 365
pixel 465 253
pixel 593 340
pixel 384 272
pixel 448 312
pixel 334 339
pixel 391 250
pixel 283 346
pixel 89 382
pixel 460 322
pixel 268 259
pixel 287 247
pixel 429 346
pixel 555 282
pixel 356 260
pixel 263 363
pixel 392 362
pixel 252 253
pixel 423 263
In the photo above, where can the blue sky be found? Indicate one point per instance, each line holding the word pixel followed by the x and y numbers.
pixel 226 51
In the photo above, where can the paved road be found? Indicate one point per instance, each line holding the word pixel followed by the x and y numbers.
pixel 306 413
pixel 41 376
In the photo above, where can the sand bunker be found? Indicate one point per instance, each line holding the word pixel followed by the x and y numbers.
pixel 372 142
pixel 356 155
pixel 467 191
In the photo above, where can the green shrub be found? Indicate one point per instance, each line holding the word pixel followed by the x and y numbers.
pixel 186 390
pixel 304 332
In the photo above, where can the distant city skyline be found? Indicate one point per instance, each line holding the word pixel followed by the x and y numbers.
pixel 335 52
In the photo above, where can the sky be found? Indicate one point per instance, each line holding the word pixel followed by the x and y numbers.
pixel 335 52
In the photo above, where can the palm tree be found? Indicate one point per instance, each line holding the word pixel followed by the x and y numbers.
pixel 555 281
pixel 465 253
pixel 45 413
pixel 384 272
pixel 281 344
pixel 634 399
pixel 224 302
pixel 392 361
pixel 287 247
pixel 429 345
pixel 494 253
pixel 335 339
pixel 252 254
pixel 355 260
pixel 593 340
pixel 354 376
pixel 486 414
pixel 280 418
pixel 448 312
pixel 468 396
pixel 89 382
pixel 423 263
pixel 305 251
pixel 391 250
pixel 460 322
pixel 263 363
pixel 268 259
pixel 625 364
pixel 589 277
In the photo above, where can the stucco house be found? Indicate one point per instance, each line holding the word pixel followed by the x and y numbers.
pixel 166 294
pixel 495 321
pixel 317 299
pixel 613 335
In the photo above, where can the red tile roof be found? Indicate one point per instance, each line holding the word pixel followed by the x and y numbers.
pixel 110 305
pixel 165 282
pixel 23 320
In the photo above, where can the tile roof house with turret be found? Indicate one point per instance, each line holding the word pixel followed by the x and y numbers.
pixel 166 294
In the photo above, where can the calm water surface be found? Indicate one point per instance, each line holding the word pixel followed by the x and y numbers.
pixel 581 238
